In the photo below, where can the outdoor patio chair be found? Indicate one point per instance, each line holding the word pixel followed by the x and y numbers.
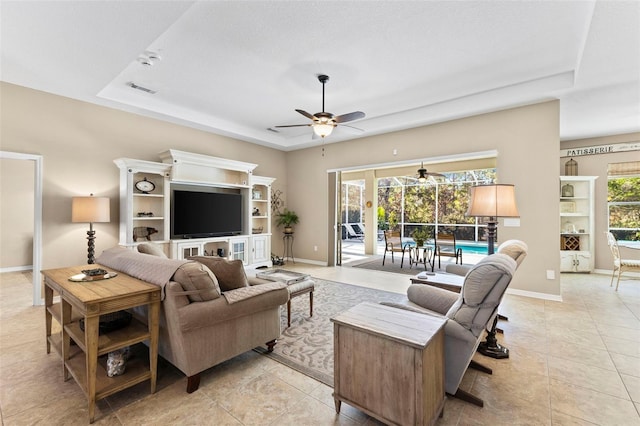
pixel 393 243
pixel 358 229
pixel 445 245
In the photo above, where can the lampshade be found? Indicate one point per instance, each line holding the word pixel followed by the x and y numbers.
pixel 90 209
pixel 323 129
pixel 495 200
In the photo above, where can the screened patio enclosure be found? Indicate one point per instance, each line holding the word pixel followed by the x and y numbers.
pixel 405 204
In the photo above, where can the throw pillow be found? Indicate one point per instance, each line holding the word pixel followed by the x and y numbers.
pixel 152 249
pixel 194 276
pixel 230 273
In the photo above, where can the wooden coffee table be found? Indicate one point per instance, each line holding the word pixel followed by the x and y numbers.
pixel 451 282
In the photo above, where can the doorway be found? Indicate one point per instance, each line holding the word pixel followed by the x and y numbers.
pixel 36 162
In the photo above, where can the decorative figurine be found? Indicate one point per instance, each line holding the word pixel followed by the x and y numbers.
pixel 143 232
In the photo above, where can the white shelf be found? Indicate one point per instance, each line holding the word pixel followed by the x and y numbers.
pixel 581 219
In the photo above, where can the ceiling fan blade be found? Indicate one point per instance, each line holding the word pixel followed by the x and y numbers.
pixel 435 174
pixel 351 127
pixel 295 125
pixel 344 118
pixel 306 114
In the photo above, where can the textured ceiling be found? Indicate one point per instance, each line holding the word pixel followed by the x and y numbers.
pixel 239 68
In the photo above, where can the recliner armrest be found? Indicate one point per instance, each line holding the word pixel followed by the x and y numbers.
pixel 432 298
pixel 458 269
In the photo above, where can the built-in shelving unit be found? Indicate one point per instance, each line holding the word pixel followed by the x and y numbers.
pixel 141 210
pixel 152 210
pixel 261 219
pixel 577 223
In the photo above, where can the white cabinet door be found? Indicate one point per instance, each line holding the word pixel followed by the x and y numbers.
pixel 567 261
pixel 238 249
pixel 583 262
pixel 184 250
pixel 260 249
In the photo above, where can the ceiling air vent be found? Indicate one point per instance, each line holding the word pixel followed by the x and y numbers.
pixel 144 89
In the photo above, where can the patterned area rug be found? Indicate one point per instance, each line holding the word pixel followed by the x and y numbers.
pixel 307 346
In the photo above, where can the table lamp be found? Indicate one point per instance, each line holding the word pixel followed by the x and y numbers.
pixel 89 210
pixel 493 201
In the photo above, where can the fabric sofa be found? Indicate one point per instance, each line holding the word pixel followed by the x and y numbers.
pixel 210 310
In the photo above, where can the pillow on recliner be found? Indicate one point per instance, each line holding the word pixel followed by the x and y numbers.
pixel 196 277
pixel 230 273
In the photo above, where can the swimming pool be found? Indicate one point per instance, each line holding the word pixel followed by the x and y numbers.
pixel 467 247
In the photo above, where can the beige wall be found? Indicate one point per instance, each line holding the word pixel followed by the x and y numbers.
pixel 596 165
pixel 16 216
pixel 527 143
pixel 79 141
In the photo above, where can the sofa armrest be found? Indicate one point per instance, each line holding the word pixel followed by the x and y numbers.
pixel 257 281
pixel 432 298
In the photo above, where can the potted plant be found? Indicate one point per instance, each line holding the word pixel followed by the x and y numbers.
pixel 420 235
pixel 287 219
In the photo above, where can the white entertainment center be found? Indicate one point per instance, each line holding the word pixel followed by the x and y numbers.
pixel 145 215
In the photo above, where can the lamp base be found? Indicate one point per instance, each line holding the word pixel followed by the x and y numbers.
pixel 91 246
pixel 496 351
pixel 490 347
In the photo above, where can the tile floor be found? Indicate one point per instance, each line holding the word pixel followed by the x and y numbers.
pixel 572 363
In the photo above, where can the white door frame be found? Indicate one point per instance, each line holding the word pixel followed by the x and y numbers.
pixel 37 218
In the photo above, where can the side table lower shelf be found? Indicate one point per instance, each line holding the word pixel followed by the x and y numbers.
pixel 137 371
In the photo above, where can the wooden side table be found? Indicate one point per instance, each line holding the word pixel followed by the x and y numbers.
pixel 389 363
pixel 451 282
pixel 90 300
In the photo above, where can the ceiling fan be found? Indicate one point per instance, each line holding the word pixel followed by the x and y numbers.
pixel 324 122
pixel 423 174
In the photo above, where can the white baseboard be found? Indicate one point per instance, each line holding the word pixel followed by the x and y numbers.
pixel 534 294
pixel 308 261
pixel 16 269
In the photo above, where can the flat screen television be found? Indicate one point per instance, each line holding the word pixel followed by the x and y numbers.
pixel 205 214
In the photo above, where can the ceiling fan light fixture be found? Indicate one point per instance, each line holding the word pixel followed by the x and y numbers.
pixel 422 174
pixel 323 129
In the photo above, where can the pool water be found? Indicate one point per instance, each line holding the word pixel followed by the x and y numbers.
pixel 472 248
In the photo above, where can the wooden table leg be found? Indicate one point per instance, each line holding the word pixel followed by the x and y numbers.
pixel 48 301
pixel 91 340
pixel 154 322
pixel 65 312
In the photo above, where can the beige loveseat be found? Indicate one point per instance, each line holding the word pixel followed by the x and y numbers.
pixel 210 311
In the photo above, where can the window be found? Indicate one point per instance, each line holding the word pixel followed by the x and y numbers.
pixel 623 196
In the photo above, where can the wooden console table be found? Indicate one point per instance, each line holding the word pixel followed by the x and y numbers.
pixel 389 363
pixel 90 300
